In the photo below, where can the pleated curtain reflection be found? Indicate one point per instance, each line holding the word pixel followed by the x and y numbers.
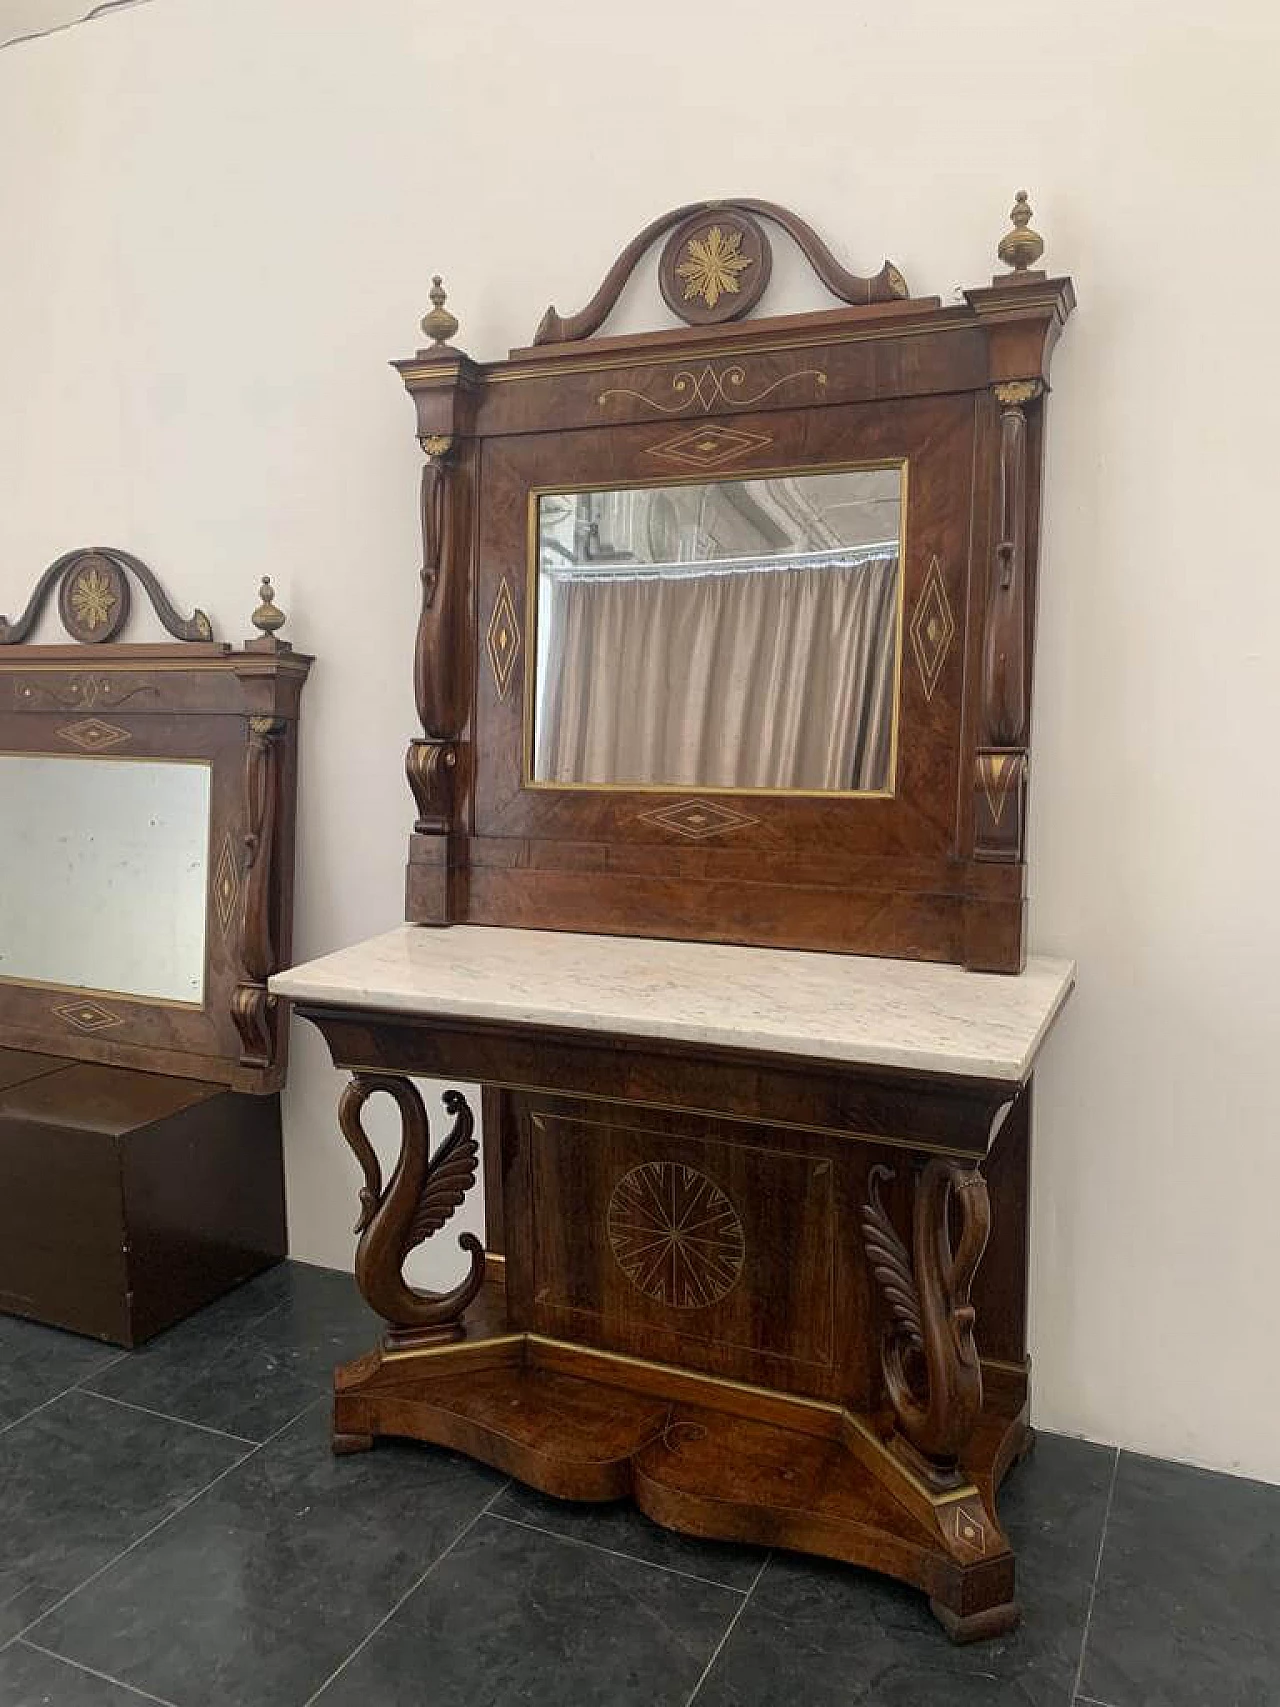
pixel 741 678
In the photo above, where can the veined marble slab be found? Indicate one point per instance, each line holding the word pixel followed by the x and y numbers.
pixel 836 1007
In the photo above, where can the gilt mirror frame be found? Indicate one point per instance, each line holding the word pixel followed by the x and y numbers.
pixel 191 701
pixel 933 869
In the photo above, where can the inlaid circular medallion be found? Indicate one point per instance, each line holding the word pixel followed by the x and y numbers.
pixel 675 1235
pixel 93 599
pixel 714 267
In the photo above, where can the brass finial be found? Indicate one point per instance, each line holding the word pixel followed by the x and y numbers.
pixel 268 617
pixel 439 325
pixel 1022 247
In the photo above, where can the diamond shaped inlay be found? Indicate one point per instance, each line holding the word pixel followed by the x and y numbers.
pixel 93 735
pixel 698 819
pixel 226 885
pixel 708 447
pixel 933 628
pixel 502 639
pixel 87 1016
pixel 968 1532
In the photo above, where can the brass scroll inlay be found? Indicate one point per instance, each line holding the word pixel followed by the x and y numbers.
pixel 710 386
pixel 82 693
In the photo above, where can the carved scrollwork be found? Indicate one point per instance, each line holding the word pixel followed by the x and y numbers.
pixel 930 1362
pixel 93 598
pixel 423 1194
pixel 718 261
pixel 432 771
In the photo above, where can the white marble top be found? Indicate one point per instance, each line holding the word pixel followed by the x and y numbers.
pixel 836 1007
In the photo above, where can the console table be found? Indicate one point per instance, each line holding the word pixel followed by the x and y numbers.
pixel 737 1202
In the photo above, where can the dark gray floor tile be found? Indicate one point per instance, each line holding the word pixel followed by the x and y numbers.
pixel 29 1678
pixel 622 1529
pixel 1186 1613
pixel 514 1616
pixel 79 1481
pixel 38 1362
pixel 256 1358
pixel 829 1634
pixel 260 1589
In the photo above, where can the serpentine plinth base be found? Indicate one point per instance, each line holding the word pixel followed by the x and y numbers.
pixel 705 1456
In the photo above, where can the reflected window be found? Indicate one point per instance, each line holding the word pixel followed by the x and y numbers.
pixel 737 634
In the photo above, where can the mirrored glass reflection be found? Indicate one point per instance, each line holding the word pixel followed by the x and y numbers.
pixel 106 875
pixel 733 634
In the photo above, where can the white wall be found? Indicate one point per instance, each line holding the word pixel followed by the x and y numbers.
pixel 220 218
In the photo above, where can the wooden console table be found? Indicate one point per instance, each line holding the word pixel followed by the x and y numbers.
pixel 737 1202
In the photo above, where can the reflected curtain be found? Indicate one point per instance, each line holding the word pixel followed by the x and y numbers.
pixel 742 677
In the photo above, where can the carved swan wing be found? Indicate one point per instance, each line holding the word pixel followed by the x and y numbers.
pixel 450 1174
pixel 890 1262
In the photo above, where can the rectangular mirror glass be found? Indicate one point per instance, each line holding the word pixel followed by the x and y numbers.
pixel 739 634
pixel 106 875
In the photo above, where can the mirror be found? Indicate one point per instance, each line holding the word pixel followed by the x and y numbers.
pixel 106 875
pixel 736 634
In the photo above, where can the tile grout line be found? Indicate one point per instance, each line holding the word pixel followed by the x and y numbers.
pixel 720 1645
pixel 147 1534
pixel 82 1385
pixel 1097 1572
pixel 411 1590
pixel 78 1665
pixel 167 1416
pixel 36 1409
pixel 613 1552
pixel 75 1387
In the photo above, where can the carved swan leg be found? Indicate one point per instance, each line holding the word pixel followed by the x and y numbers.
pixel 933 1377
pixel 422 1195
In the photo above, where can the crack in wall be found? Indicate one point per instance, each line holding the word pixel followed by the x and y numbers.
pixel 79 15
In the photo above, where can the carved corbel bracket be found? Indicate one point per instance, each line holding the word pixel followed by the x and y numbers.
pixel 424 1192
pixel 930 1361
pixel 432 768
pixel 252 1004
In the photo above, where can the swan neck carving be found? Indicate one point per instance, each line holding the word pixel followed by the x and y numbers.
pixel 423 1193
